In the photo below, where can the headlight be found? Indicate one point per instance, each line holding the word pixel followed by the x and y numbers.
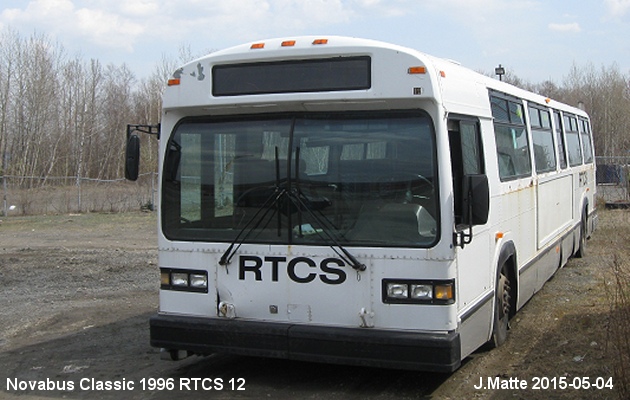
pixel 199 281
pixel 183 280
pixel 421 291
pixel 179 279
pixel 397 290
pixel 411 291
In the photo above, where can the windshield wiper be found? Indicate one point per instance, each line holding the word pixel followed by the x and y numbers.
pixel 268 205
pixel 298 198
pixel 271 203
pixel 300 201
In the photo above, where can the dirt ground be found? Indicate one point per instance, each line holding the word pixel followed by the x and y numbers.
pixel 76 292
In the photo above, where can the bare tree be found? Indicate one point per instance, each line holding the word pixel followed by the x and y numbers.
pixel 63 116
pixel 605 95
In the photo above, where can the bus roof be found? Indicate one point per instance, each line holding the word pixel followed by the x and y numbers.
pixel 459 89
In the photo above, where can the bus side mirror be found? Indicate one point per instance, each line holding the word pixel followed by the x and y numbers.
pixel 132 158
pixel 476 201
pixel 475 207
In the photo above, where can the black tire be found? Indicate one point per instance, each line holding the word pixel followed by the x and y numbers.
pixel 502 309
pixel 581 251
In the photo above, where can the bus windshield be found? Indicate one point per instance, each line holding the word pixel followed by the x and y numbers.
pixel 360 179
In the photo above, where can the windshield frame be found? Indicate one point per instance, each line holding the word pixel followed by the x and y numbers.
pixel 286 166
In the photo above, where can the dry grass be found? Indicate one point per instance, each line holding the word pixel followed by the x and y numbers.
pixel 615 231
pixel 619 326
pixel 117 196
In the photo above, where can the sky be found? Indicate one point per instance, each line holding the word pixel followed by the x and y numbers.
pixel 536 40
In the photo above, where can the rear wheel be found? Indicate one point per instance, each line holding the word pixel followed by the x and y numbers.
pixel 502 309
pixel 581 251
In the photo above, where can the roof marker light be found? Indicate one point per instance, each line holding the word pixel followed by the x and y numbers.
pixel 258 46
pixel 288 43
pixel 320 41
pixel 174 82
pixel 416 70
pixel 443 74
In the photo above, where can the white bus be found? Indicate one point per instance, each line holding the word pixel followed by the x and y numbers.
pixel 349 201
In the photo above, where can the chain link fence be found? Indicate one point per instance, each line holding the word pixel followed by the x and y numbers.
pixel 63 195
pixel 613 180
pixel 58 195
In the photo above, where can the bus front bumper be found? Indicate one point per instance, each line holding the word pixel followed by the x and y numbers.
pixel 354 346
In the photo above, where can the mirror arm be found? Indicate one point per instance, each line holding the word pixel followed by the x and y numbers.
pixel 462 238
pixel 144 128
pixel 476 199
pixel 132 151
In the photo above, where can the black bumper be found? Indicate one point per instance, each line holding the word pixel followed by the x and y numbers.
pixel 354 346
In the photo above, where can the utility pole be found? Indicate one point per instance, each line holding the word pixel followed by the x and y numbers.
pixel 500 70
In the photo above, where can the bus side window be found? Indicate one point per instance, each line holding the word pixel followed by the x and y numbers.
pixel 466 157
pixel 573 140
pixel 543 139
pixel 560 140
pixel 585 133
pixel 510 135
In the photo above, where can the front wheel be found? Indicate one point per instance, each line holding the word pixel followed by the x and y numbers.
pixel 502 309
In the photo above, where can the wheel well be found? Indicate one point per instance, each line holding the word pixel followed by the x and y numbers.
pixel 583 227
pixel 507 257
pixel 585 214
pixel 511 269
pixel 585 209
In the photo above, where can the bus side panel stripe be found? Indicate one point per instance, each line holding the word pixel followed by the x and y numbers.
pixel 488 297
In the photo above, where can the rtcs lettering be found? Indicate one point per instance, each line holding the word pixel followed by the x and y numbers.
pixel 299 269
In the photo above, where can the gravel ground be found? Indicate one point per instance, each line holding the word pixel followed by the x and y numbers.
pixel 76 292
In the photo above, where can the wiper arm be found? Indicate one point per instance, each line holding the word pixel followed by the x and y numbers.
pixel 226 258
pixel 342 252
pixel 297 197
pixel 268 205
pixel 297 188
